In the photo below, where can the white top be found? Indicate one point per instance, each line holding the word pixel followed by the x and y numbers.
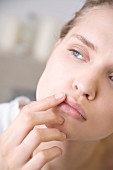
pixel 8 111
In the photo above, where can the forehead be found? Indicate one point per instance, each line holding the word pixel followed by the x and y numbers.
pixel 96 26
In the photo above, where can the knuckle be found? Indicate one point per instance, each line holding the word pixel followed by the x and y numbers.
pixel 37 134
pixel 28 117
pixel 53 117
pixel 57 132
pixel 59 135
pixel 26 109
pixel 43 156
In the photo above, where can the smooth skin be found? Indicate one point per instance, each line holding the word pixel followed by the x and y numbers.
pixel 20 140
pixel 85 75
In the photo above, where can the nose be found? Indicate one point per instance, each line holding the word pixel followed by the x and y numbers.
pixel 85 86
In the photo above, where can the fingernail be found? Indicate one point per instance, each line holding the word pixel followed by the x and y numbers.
pixel 59 96
pixel 61 120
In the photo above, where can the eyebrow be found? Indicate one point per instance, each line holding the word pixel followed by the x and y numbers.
pixel 84 41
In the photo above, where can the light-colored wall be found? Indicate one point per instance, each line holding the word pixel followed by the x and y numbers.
pixel 61 10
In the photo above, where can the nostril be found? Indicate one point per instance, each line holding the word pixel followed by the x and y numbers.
pixel 76 87
pixel 87 96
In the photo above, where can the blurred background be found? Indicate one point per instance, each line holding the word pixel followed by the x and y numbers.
pixel 28 31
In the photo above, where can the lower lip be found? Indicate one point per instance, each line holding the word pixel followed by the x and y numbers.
pixel 71 111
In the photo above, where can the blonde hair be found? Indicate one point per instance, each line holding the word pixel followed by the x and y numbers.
pixel 89 4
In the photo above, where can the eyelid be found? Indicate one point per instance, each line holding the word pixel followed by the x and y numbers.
pixel 111 75
pixel 81 50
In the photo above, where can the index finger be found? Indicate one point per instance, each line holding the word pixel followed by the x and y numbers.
pixel 46 103
pixel 27 119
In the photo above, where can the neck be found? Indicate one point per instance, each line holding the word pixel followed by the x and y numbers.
pixel 75 155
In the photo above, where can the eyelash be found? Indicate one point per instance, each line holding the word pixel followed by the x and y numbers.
pixel 111 78
pixel 77 53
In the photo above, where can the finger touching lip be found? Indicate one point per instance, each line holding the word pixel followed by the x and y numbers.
pixel 73 109
pixel 48 102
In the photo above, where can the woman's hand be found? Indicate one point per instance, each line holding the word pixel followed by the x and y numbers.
pixel 19 141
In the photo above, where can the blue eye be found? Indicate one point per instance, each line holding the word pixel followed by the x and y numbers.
pixel 111 78
pixel 77 54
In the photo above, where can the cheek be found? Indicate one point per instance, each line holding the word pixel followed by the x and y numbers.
pixel 101 115
pixel 44 85
pixel 100 120
pixel 50 82
pixel 55 77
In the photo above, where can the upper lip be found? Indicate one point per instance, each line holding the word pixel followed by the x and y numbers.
pixel 73 103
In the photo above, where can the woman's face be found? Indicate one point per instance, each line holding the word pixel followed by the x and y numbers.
pixel 81 65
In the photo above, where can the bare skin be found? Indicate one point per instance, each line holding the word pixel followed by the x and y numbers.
pixel 85 73
pixel 87 155
pixel 18 144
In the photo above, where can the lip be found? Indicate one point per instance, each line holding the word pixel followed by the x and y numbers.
pixel 73 109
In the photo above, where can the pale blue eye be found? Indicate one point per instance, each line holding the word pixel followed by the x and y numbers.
pixel 111 77
pixel 77 54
